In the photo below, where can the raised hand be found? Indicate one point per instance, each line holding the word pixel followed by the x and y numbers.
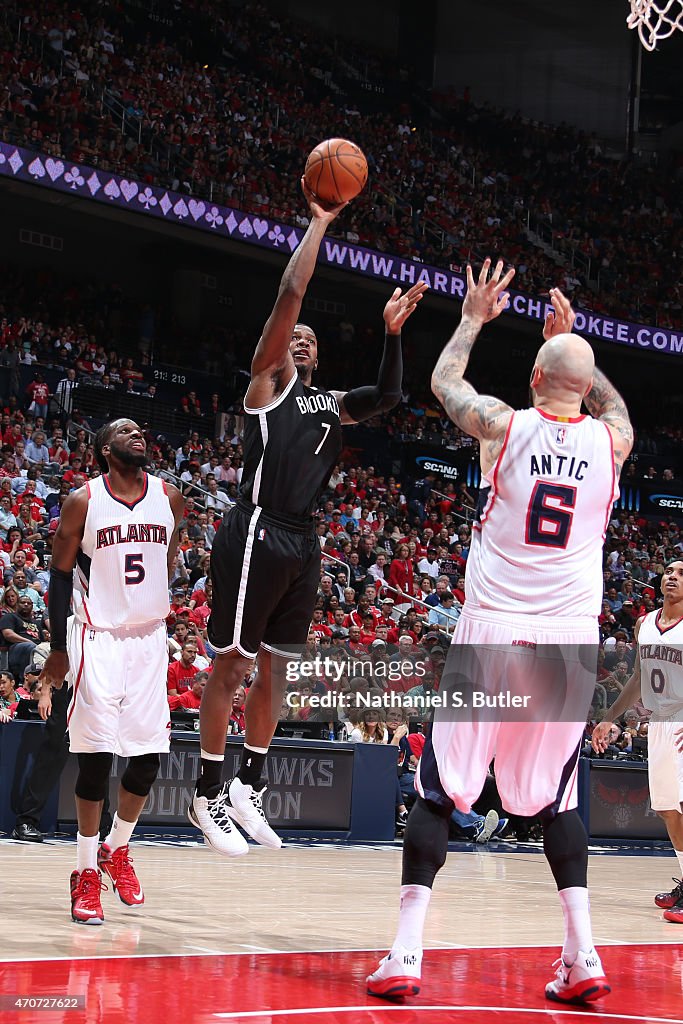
pixel 560 319
pixel 400 306
pixel 319 209
pixel 486 299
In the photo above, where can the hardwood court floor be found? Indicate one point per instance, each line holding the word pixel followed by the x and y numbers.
pixel 242 939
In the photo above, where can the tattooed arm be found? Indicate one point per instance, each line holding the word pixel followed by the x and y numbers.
pixel 482 416
pixel 605 403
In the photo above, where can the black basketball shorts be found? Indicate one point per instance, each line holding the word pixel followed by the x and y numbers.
pixel 265 580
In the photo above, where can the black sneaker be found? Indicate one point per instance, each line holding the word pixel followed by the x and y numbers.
pixel 27 833
pixel 401 819
pixel 665 900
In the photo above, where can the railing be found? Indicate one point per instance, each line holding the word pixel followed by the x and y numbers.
pixel 103 405
pixel 470 515
pixel 129 124
pixel 408 599
pixel 181 484
pixel 345 567
pixel 603 693
pixel 568 254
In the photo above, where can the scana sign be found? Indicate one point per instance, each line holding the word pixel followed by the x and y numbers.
pixel 429 465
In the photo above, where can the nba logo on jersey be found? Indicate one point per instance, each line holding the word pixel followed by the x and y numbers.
pixel 262 534
pixel 561 435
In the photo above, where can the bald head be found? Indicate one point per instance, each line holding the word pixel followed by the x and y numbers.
pixel 563 369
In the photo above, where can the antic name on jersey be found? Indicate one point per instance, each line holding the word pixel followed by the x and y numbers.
pixel 138 533
pixel 554 465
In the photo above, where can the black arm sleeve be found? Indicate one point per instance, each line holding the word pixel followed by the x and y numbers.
pixel 363 403
pixel 59 603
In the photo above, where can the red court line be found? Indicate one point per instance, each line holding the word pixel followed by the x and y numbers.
pixel 460 986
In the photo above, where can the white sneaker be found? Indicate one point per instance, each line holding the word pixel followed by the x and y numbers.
pixel 583 982
pixel 212 818
pixel 245 807
pixel 398 974
pixel 487 827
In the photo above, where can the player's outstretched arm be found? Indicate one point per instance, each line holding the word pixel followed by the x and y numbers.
pixel 272 365
pixel 604 402
pixel 365 402
pixel 629 696
pixel 66 543
pixel 482 416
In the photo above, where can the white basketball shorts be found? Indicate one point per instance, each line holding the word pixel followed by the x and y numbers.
pixel 119 702
pixel 664 766
pixel 536 761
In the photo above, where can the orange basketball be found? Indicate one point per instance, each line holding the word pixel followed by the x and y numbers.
pixel 336 171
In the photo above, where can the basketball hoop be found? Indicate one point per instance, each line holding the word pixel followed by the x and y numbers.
pixel 655 20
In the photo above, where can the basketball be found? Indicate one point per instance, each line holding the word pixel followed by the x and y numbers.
pixel 336 171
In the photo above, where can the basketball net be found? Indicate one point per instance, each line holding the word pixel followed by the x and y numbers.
pixel 655 20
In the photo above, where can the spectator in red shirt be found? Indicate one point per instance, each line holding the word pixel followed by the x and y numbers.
pixel 237 722
pixel 192 698
pixel 401 572
pixel 59 453
pixel 318 626
pixel 367 634
pixel 182 671
pixel 39 395
pixel 386 617
pixel 74 470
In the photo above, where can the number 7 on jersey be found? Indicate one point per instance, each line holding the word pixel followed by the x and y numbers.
pixel 328 427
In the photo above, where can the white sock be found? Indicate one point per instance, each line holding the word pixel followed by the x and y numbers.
pixel 86 851
pixel 679 854
pixel 414 904
pixel 120 834
pixel 577 922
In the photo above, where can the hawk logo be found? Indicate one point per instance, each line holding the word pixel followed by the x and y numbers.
pixel 561 435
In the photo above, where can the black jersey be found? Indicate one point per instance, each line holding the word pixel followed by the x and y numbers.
pixel 290 449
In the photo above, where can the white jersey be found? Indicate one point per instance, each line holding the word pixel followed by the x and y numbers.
pixel 543 513
pixel 661 667
pixel 121 573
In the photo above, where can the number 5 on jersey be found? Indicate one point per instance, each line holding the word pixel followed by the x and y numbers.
pixel 135 570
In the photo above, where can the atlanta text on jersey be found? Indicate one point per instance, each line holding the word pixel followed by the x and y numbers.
pixel 139 533
pixel 660 652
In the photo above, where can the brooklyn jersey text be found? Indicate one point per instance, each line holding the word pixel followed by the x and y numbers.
pixel 290 448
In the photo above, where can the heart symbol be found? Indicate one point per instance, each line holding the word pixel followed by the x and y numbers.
pixel 129 189
pixel 36 168
pixel 197 209
pixel 180 209
pixel 55 168
pixel 246 228
pixel 111 189
pixel 260 227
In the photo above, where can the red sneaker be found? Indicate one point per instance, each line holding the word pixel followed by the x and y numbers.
pixel 119 866
pixel 665 900
pixel 675 913
pixel 86 906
